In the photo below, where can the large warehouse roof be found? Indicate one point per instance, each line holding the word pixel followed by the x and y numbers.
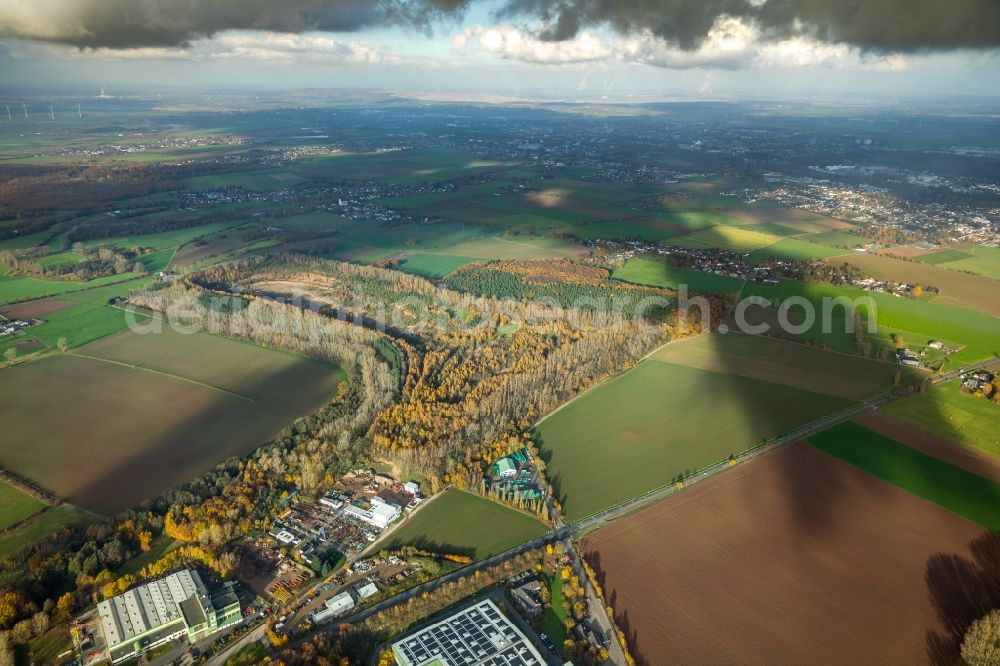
pixel 148 607
pixel 480 635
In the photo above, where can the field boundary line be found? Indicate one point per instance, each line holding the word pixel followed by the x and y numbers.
pixel 611 379
pixel 133 366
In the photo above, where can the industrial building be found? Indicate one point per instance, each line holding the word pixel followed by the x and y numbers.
pixel 333 607
pixel 172 607
pixel 479 635
pixel 380 513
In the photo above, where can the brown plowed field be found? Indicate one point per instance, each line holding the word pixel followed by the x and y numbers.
pixel 34 309
pixel 905 432
pixel 793 558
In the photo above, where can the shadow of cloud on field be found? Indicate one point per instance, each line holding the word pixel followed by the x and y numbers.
pixel 812 509
pixel 962 590
pixel 222 427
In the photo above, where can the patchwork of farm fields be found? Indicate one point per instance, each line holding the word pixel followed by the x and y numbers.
pixel 948 412
pixel 135 414
pixel 957 288
pixel 733 239
pixel 461 523
pixel 789 363
pixel 659 420
pixel 968 495
pixel 977 333
pixel 795 557
pixel 980 259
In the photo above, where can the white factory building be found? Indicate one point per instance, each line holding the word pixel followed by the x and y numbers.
pixel 381 514
pixel 332 608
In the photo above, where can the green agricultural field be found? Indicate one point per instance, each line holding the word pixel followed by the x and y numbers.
pixel 433 266
pixel 942 256
pixel 953 414
pixel 641 430
pixel 159 410
pixel 166 239
pixel 14 289
pixel 80 324
pixel 318 221
pixel 977 332
pixel 42 525
pixel 842 239
pixel 974 498
pixel 656 272
pixel 461 523
pixel 404 237
pixel 15 505
pixel 641 229
pixel 231 365
pixel 256 179
pixel 526 222
pixel 733 239
pixel 790 364
pixel 791 249
pixel 515 247
pixel 980 259
pixel 775 228
pixel 697 219
pixel 402 167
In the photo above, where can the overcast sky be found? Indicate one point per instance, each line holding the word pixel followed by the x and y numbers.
pixel 689 48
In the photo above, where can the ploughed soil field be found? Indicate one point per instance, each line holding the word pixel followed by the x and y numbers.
pixel 794 557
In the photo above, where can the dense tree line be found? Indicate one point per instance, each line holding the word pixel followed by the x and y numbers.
pixel 564 283
pixel 96 263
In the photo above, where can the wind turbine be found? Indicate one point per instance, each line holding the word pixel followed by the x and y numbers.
pixel 79 114
pixel 9 117
pixel 25 106
pixel 52 116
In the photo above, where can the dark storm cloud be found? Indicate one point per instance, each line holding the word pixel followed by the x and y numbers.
pixel 159 23
pixel 874 25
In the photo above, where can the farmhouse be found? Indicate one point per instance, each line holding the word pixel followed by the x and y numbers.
pixel 907 357
pixel 476 636
pixel 164 610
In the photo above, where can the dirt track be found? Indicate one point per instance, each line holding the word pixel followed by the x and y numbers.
pixel 931 444
pixel 795 557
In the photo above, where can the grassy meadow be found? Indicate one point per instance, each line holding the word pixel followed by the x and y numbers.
pixel 460 523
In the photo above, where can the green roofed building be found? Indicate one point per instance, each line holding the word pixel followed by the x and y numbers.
pixel 164 610
pixel 513 478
